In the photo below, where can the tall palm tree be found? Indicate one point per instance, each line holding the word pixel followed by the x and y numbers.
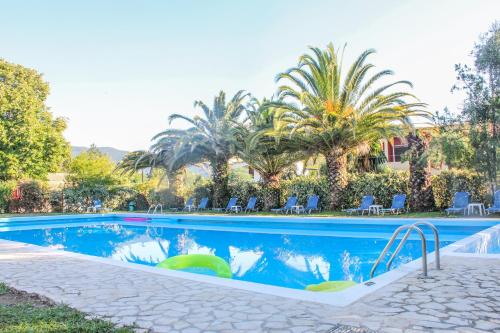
pixel 262 146
pixel 211 138
pixel 336 114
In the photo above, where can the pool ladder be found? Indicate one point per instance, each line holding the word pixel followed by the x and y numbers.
pixel 409 228
pixel 154 208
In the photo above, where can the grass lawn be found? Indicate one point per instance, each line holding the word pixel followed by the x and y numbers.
pixel 29 313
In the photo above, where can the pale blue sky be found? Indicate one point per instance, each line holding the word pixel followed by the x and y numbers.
pixel 117 69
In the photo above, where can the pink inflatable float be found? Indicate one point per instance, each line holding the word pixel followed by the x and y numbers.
pixel 136 219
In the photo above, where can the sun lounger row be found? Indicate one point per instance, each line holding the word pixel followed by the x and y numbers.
pixel 461 204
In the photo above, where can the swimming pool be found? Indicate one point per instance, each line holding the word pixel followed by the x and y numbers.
pixel 284 252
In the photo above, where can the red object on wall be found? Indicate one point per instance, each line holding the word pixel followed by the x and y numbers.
pixel 16 193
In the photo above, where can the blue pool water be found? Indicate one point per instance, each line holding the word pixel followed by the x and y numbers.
pixel 288 253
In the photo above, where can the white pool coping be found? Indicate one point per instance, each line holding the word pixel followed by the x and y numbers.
pixel 340 299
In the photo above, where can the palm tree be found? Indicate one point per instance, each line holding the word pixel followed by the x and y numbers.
pixel 211 138
pixel 160 156
pixel 336 115
pixel 262 146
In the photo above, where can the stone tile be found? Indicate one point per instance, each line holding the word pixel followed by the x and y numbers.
pixel 445 302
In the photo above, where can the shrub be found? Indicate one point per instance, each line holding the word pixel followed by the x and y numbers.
pixel 303 186
pixel 383 186
pixel 34 198
pixel 243 189
pixel 167 199
pixel 6 189
pixel 445 184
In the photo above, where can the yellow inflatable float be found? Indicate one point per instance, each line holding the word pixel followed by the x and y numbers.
pixel 331 286
pixel 216 264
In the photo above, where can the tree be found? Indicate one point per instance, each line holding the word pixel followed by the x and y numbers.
pixel 159 157
pixel 31 139
pixel 92 168
pixel 262 146
pixel 481 85
pixel 450 144
pixel 337 115
pixel 210 138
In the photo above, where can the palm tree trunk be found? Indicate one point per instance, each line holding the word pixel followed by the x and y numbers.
pixel 271 193
pixel 174 182
pixel 220 175
pixel 336 163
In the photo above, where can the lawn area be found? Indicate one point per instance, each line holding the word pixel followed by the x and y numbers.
pixel 28 313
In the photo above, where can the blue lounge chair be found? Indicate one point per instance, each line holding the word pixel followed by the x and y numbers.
pixel 231 203
pixel 203 204
pixel 398 205
pixel 96 206
pixel 252 202
pixel 460 203
pixel 291 201
pixel 189 205
pixel 496 204
pixel 312 204
pixel 366 202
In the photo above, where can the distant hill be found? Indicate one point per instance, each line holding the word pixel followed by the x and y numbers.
pixel 115 154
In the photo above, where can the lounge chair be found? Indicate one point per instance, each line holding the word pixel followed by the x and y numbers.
pixel 312 204
pixel 189 206
pixel 366 202
pixel 203 204
pixel 291 201
pixel 231 203
pixel 397 206
pixel 460 203
pixel 252 202
pixel 496 204
pixel 96 206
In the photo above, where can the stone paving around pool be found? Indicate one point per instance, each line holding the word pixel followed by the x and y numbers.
pixel 463 297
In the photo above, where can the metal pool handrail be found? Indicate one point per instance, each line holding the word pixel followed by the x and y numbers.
pixel 401 244
pixel 393 238
pixel 155 209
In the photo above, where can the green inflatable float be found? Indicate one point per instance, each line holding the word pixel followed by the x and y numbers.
pixel 331 286
pixel 216 264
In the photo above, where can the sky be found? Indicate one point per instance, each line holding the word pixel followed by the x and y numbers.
pixel 118 69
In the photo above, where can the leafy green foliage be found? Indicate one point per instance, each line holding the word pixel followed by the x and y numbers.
pixel 243 188
pixel 383 186
pixel 6 189
pixel 450 144
pixel 445 184
pixel 92 168
pixel 31 140
pixel 481 85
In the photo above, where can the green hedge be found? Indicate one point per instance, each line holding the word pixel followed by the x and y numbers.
pixel 304 186
pixel 243 189
pixel 383 186
pixel 445 184
pixel 6 189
